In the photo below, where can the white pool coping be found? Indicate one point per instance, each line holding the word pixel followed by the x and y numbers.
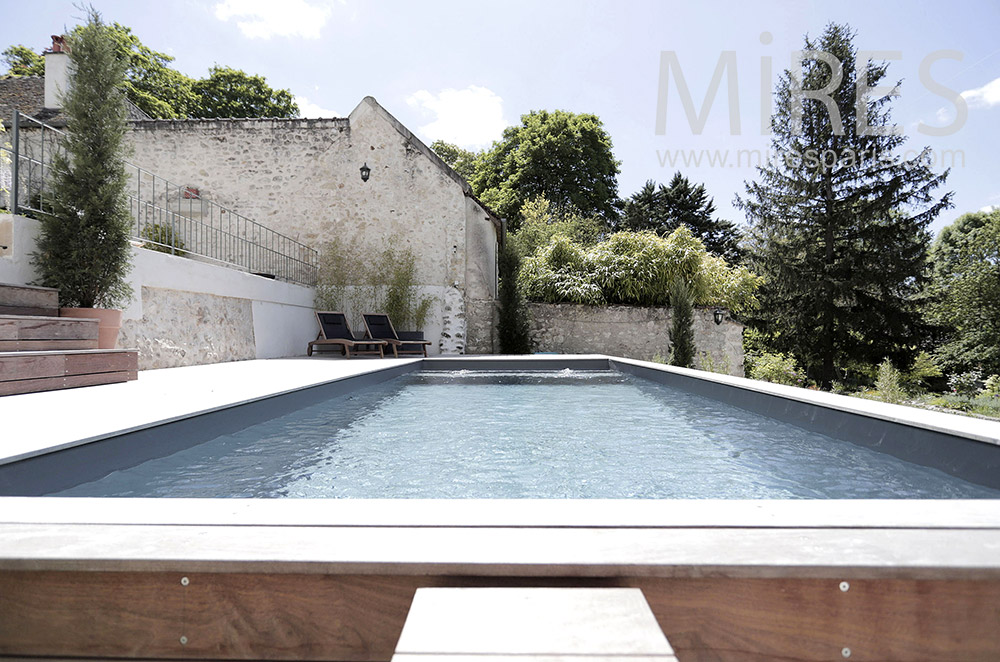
pixel 35 423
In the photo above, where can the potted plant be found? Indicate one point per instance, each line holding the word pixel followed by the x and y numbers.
pixel 83 247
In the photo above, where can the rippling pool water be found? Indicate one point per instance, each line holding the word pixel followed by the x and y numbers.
pixel 570 434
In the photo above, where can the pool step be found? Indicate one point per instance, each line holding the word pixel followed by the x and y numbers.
pixel 33 371
pixel 28 300
pixel 40 333
pixel 532 624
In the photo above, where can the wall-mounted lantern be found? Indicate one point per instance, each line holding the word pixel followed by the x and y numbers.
pixel 365 172
pixel 719 315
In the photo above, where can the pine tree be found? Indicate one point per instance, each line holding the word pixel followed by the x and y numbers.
pixel 513 329
pixel 83 248
pixel 839 222
pixel 682 348
pixel 664 208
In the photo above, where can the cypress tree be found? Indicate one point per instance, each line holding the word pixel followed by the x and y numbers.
pixel 682 349
pixel 83 248
pixel 513 328
pixel 839 221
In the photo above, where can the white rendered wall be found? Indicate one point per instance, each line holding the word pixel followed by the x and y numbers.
pixel 187 312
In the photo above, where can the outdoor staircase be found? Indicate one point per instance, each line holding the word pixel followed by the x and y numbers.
pixel 40 351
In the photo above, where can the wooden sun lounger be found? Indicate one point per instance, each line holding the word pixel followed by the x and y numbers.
pixel 335 331
pixel 379 326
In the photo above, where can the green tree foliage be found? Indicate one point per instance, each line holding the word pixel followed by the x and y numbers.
pixel 163 92
pixel 965 292
pixel 839 223
pixel 513 328
pixel 682 349
pixel 565 157
pixel 664 208
pixel 232 93
pixel 150 83
pixel 540 221
pixel 461 160
pixel 22 61
pixel 635 268
pixel 83 247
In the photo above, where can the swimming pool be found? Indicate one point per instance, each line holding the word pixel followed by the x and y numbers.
pixel 570 433
pixel 333 578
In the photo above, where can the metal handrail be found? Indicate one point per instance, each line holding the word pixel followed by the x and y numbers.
pixel 167 217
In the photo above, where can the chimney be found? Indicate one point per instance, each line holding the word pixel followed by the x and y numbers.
pixel 56 72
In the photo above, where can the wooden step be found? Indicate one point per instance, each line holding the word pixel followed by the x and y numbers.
pixel 32 371
pixel 38 333
pixel 28 300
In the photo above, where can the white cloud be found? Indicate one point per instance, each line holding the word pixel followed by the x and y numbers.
pixel 988 208
pixel 469 118
pixel 984 97
pixel 309 109
pixel 263 19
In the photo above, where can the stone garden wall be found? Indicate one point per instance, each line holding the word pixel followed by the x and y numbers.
pixel 633 332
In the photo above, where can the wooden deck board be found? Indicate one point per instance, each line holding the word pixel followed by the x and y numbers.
pixel 14 327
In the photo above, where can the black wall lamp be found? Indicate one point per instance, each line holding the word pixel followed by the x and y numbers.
pixel 719 315
pixel 365 172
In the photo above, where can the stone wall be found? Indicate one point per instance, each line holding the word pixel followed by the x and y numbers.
pixel 633 332
pixel 301 178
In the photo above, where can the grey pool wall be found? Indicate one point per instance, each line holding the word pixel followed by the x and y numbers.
pixel 965 448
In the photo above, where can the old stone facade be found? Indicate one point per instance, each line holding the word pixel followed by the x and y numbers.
pixel 633 332
pixel 302 178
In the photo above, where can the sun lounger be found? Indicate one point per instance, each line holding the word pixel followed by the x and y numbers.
pixel 334 330
pixel 381 328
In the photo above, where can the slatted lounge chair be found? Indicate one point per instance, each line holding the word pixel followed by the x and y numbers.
pixel 380 327
pixel 334 330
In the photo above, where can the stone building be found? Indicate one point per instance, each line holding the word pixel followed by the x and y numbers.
pixel 302 178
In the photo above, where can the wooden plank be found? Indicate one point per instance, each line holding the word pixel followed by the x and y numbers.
pixel 21 386
pixel 16 366
pixel 743 553
pixel 47 328
pixel 29 310
pixel 29 295
pixel 86 363
pixel 350 617
pixel 46 345
pixel 511 513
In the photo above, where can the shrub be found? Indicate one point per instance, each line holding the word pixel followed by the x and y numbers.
pixel 682 349
pixel 965 383
pixel 991 388
pixel 708 363
pixel 163 239
pixel 887 384
pixel 541 220
pixel 635 268
pixel 361 281
pixel 924 369
pixel 777 368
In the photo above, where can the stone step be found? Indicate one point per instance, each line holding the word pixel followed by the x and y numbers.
pixel 33 371
pixel 27 333
pixel 28 300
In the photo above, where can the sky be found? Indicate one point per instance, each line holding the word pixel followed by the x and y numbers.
pixel 461 71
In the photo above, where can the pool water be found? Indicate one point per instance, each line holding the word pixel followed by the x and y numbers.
pixel 568 434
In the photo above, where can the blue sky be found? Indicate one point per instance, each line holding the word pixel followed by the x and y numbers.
pixel 462 70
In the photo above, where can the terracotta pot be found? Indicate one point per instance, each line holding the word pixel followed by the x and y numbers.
pixel 110 323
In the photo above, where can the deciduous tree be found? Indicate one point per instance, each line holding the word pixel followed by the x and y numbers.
pixel 230 92
pixel 22 61
pixel 461 160
pixel 565 157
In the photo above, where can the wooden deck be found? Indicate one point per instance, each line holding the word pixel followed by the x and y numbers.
pixel 33 371
pixel 334 580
